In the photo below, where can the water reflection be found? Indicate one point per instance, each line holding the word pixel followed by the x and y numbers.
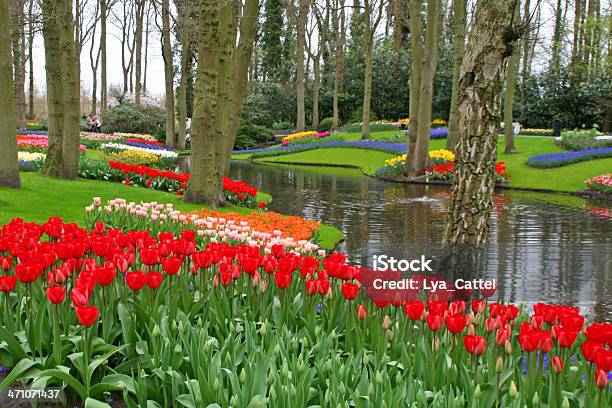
pixel 542 247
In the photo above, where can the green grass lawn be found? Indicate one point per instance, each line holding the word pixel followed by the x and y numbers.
pixel 41 197
pixel 564 179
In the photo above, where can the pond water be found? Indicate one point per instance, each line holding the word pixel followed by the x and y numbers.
pixel 542 247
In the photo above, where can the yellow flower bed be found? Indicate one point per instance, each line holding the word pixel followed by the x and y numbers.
pixel 441 154
pixel 299 135
pixel 133 157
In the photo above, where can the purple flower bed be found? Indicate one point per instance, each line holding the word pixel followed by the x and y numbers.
pixel 371 145
pixel 565 158
pixel 32 132
pixel 147 146
pixel 439 133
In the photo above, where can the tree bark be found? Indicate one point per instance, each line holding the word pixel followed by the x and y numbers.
pixel 18 41
pixel 479 103
pixel 103 73
pixel 419 159
pixel 316 86
pixel 140 9
pixel 416 46
pixel 368 38
pixel 459 21
pixel 304 6
pixel 31 113
pixel 55 95
pixel 168 72
pixel 511 71
pixel 556 42
pixel 9 169
pixel 339 69
pixel 182 92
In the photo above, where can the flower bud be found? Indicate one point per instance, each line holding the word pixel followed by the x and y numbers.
pixel 513 391
pixel 499 366
pixel 536 400
pixel 390 335
pixel 471 330
pixel 601 379
pixel 379 377
pixel 386 323
pixel 565 403
pixel 242 376
pixel 436 344
pixel 508 347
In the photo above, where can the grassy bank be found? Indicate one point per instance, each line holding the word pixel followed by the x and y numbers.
pixel 564 179
pixel 41 197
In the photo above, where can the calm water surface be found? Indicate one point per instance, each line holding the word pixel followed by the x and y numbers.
pixel 542 247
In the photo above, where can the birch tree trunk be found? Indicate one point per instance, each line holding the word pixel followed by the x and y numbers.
pixel 304 6
pixel 368 37
pixel 168 72
pixel 9 169
pixel 459 20
pixel 491 42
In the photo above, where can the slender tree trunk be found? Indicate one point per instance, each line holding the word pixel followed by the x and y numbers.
pixel 368 38
pixel 103 77
pixel 31 59
pixel 416 46
pixel 94 62
pixel 511 71
pixel 140 9
pixel 146 54
pixel 459 21
pixel 479 103
pixel 339 69
pixel 556 43
pixel 9 169
pixel 168 72
pixel 18 41
pixel 316 86
pixel 55 95
pixel 304 6
pixel 182 93
pixel 420 159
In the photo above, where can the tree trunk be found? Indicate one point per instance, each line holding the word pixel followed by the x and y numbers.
pixel 31 113
pixel 479 103
pixel 140 8
pixel 168 72
pixel 221 85
pixel 94 62
pixel 55 96
pixel 459 20
pixel 511 71
pixel 18 41
pixel 71 93
pixel 416 46
pixel 556 42
pixel 304 6
pixel 103 75
pixel 368 38
pixel 420 160
pixel 339 69
pixel 182 93
pixel 316 86
pixel 9 169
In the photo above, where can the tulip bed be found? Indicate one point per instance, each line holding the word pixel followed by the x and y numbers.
pixel 177 318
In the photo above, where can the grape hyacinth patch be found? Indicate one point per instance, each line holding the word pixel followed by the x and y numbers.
pixel 565 158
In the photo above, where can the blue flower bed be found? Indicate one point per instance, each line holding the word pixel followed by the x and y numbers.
pixel 32 132
pixel 147 146
pixel 550 160
pixel 393 148
pixel 439 133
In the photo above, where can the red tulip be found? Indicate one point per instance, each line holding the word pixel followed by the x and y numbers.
pixel 79 296
pixel 7 283
pixel 322 286
pixel 557 365
pixel 436 306
pixel 603 359
pixel 27 273
pixel 546 342
pixel 479 306
pixel 226 278
pixel 135 280
pixel 434 321
pixel 565 337
pixel 455 323
pixel 601 379
pixel 6 263
pixel 55 294
pixel 87 315
pixel 572 322
pixel 529 340
pixel 475 344
pixel 589 350
pixel 278 250
pixel 283 279
pixel 350 290
pixel 171 265
pixel 311 287
pixel 414 309
pixel 99 227
pixel 154 279
pixel 269 264
pixel 262 205
pixel 362 313
pixel 149 256
pixel 503 334
pixel 104 276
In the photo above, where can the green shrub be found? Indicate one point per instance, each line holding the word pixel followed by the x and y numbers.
pixel 127 119
pixel 357 116
pixel 250 135
pixel 326 124
pixel 582 139
pixel 283 125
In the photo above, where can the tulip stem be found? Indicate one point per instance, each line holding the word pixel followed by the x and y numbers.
pixel 57 344
pixel 86 360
